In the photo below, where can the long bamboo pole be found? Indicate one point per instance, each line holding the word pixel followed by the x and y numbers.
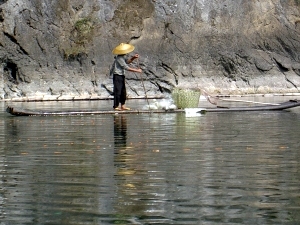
pixel 236 100
pixel 143 85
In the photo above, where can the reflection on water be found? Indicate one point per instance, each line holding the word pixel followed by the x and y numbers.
pixel 220 168
pixel 120 132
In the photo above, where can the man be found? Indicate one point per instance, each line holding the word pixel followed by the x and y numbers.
pixel 120 66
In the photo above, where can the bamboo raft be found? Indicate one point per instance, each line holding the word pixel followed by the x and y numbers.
pixel 27 112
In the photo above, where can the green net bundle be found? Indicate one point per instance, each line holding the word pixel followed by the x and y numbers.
pixel 186 98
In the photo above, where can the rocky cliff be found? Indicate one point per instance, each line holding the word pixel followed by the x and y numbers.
pixel 53 49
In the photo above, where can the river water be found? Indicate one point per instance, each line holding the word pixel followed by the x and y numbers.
pixel 217 168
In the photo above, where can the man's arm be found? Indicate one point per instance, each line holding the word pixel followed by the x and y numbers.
pixel 135 70
pixel 132 58
pixel 130 61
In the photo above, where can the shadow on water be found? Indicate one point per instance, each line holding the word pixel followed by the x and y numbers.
pixel 237 168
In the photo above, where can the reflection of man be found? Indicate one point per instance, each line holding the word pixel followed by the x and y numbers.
pixel 126 180
pixel 120 131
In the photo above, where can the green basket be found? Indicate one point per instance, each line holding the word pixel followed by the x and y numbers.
pixel 185 98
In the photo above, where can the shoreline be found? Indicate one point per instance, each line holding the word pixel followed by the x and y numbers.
pixel 95 97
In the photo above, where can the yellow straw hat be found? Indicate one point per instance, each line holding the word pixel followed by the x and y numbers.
pixel 123 49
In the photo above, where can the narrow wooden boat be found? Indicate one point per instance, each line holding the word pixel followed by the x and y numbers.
pixel 26 112
pixel 281 106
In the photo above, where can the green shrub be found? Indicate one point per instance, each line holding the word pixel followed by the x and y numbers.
pixel 83 30
pixel 81 34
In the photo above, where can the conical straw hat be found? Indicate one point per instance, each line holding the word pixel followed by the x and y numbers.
pixel 123 49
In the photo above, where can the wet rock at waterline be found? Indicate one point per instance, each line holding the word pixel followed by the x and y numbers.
pixel 63 48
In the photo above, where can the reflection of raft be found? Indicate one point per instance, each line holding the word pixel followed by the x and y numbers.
pixel 27 112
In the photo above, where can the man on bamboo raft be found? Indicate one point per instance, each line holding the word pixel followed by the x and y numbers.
pixel 119 67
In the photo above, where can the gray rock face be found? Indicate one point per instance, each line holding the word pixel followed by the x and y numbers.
pixel 63 48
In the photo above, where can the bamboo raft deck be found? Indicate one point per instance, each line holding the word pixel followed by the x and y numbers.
pixel 27 112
